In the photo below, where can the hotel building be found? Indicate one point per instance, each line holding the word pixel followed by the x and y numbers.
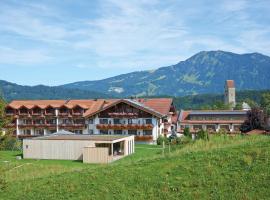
pixel 144 118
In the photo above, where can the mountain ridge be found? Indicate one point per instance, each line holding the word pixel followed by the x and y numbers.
pixel 204 72
pixel 11 91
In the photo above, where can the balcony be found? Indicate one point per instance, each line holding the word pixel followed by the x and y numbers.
pixel 123 115
pixel 37 113
pixel 49 113
pixel 23 114
pixel 63 113
pixel 125 126
pixel 72 125
pixel 143 138
pixel 10 113
pixel 25 125
pixel 10 125
pixel 77 113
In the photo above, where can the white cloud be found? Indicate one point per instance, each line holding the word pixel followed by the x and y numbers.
pixel 134 34
pixel 22 57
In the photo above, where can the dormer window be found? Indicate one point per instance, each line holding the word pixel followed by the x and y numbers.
pixel 36 111
pixel 10 111
pixel 23 111
pixel 64 110
pixel 49 111
pixel 77 110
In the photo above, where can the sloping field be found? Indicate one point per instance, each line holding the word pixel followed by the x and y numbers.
pixel 223 168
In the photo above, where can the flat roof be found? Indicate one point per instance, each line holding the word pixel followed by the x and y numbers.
pixel 107 138
pixel 213 112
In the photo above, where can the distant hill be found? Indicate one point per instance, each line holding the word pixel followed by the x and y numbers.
pixel 12 91
pixel 204 72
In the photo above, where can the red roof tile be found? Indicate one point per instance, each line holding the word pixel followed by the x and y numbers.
pixel 230 83
pixel 157 105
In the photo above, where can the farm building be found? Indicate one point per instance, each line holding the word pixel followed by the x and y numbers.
pixel 88 148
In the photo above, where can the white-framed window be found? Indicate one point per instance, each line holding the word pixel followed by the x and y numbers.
pixel 118 132
pixel 148 121
pixel 90 131
pixel 90 121
pixel 103 132
pixel 132 132
pixel 103 121
pixel 147 132
pixel 78 131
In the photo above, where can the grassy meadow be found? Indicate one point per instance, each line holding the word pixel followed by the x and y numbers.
pixel 222 168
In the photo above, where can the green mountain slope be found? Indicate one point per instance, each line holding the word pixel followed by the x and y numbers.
pixel 12 91
pixel 204 72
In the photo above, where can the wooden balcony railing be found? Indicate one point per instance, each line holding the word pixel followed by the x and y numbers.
pixel 10 125
pixel 123 114
pixel 23 114
pixel 143 138
pixel 49 113
pixel 63 114
pixel 125 126
pixel 10 114
pixel 72 125
pixel 77 113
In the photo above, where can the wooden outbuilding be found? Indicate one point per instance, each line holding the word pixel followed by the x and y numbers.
pixel 88 148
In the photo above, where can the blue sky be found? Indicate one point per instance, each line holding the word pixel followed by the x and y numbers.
pixel 56 42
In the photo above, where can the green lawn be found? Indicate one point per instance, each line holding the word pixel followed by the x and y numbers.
pixel 223 168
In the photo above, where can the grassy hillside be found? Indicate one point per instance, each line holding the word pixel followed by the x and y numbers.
pixel 223 168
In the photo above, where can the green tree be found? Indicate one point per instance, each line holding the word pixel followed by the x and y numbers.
pixel 3 119
pixel 251 103
pixel 238 106
pixel 255 120
pixel 265 102
pixel 219 105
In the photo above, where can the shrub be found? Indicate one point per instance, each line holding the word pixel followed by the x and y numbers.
pixel 202 134
pixel 187 132
pixel 222 132
pixel 8 142
pixel 161 139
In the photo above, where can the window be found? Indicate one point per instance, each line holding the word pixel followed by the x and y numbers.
pixel 90 121
pixel 51 121
pixel 147 132
pixel 78 131
pixel 91 131
pixel 132 132
pixel 39 132
pixel 26 132
pixel 103 121
pixel 148 121
pixel 130 121
pixel 116 121
pixel 103 132
pixel 118 132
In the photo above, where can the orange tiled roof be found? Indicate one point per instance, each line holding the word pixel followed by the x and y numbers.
pixel 158 105
pixel 162 105
pixel 230 83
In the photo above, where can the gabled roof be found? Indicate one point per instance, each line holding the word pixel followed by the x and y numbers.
pixel 156 106
pixel 102 106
